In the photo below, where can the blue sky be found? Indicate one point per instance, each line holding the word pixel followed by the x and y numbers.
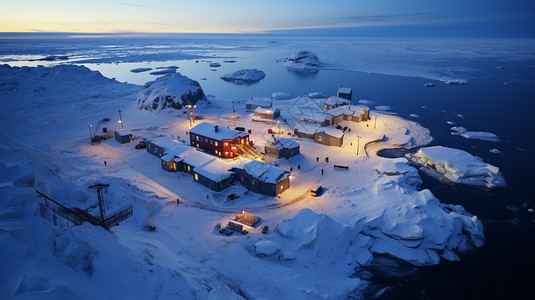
pixel 252 16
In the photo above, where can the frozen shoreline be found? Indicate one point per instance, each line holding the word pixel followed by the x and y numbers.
pixel 382 205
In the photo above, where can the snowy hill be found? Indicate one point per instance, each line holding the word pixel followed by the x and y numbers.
pixel 170 91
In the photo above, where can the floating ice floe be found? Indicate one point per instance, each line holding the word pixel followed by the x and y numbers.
pixel 478 135
pixel 458 166
pixel 302 61
pixel 366 102
pixel 496 151
pixel 163 71
pixel 215 65
pixel 383 107
pixel 172 90
pixel 414 115
pixel 244 75
pixel 140 70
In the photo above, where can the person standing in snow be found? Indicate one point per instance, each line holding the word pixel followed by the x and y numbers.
pixel 321 171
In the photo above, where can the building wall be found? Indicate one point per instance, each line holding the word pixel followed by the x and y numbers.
pixel 122 138
pixel 211 184
pixel 222 148
pixel 271 150
pixel 287 153
pixel 328 140
pixel 155 150
pixel 255 185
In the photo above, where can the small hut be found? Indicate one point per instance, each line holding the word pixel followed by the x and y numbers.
pixel 123 136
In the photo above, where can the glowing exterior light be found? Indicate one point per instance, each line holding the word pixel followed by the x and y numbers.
pixel 91 134
pixel 191 114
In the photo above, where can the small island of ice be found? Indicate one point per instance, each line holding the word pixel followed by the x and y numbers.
pixel 140 70
pixel 458 166
pixel 302 61
pixel 245 75
pixel 478 135
pixel 172 90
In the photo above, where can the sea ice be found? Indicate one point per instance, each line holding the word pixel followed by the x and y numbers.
pixel 459 166
pixel 383 107
pixel 478 135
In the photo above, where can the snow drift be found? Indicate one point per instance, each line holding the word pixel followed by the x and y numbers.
pixel 170 91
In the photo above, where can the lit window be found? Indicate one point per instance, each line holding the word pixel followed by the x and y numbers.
pixel 320 138
pixel 197 137
pixel 226 143
pixel 196 177
pixel 282 187
pixel 216 143
pixel 189 168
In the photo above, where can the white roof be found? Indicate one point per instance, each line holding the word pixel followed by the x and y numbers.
pixel 348 110
pixel 334 100
pixel 262 110
pixel 195 158
pixel 281 143
pixel 166 142
pixel 264 171
pixel 215 170
pixel 331 131
pixel 306 127
pixel 344 90
pixel 123 132
pixel 208 130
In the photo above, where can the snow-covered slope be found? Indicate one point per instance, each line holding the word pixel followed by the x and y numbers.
pixel 170 91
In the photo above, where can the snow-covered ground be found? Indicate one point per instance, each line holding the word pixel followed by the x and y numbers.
pixel 374 207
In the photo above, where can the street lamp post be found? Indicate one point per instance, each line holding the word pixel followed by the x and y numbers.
pixel 191 114
pixel 358 143
pixel 233 114
pixel 374 122
pixel 91 134
pixel 121 120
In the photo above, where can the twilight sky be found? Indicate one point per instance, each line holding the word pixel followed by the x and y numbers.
pixel 251 16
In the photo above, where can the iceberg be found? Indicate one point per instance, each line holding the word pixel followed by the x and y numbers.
pixel 458 166
pixel 170 91
pixel 244 75
pixel 302 61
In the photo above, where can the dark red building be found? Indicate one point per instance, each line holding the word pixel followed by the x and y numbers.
pixel 220 141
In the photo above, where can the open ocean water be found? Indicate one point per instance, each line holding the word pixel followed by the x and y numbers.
pixel 497 100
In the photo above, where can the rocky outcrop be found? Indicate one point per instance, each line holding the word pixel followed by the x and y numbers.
pixel 170 91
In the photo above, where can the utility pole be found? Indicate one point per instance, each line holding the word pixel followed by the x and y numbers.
pixel 233 114
pixel 374 121
pixel 271 104
pixel 91 134
pixel 99 187
pixel 121 120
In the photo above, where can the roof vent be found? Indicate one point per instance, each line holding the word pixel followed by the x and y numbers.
pixel 216 128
